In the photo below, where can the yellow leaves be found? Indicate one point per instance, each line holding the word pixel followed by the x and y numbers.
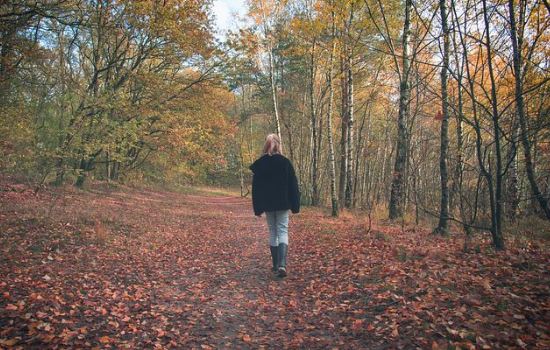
pixel 183 23
pixel 304 28
pixel 262 11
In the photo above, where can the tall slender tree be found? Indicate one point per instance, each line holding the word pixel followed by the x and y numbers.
pixel 442 226
pixel 517 43
pixel 332 165
pixel 396 205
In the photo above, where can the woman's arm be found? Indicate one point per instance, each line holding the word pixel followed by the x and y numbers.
pixel 255 197
pixel 293 190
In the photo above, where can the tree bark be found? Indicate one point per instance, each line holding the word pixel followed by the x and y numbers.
pixel 398 176
pixel 512 188
pixel 496 231
pixel 274 89
pixel 520 109
pixel 349 134
pixel 443 226
pixel 344 133
pixel 332 165
pixel 314 137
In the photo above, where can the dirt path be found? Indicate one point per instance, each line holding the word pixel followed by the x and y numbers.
pixel 145 269
pixel 151 269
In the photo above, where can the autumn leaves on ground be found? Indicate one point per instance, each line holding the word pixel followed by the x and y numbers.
pixel 127 268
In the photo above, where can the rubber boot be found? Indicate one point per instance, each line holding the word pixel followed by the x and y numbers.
pixel 274 257
pixel 282 251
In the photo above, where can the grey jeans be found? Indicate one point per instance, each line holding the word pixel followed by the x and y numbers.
pixel 278 227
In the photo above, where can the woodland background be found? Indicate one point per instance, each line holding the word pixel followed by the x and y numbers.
pixel 410 110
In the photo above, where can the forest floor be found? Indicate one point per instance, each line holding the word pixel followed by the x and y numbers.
pixel 133 268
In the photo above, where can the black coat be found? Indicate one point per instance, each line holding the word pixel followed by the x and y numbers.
pixel 274 185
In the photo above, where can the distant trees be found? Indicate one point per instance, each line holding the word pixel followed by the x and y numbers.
pixel 450 139
pixel 108 88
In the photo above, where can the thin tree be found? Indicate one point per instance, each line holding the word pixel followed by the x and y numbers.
pixel 350 117
pixel 517 43
pixel 442 226
pixel 496 202
pixel 332 163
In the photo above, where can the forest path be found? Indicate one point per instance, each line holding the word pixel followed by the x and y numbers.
pixel 127 268
pixel 139 268
pixel 226 270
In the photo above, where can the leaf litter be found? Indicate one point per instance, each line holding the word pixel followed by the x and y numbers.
pixel 130 268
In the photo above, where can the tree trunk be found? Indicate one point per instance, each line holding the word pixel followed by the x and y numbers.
pixel 274 89
pixel 512 188
pixel 398 176
pixel 520 109
pixel 82 172
pixel 343 136
pixel 332 165
pixel 498 240
pixel 443 226
pixel 349 134
pixel 459 169
pixel 314 148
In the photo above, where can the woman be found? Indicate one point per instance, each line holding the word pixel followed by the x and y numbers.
pixel 275 192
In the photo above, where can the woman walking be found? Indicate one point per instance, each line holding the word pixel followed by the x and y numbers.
pixel 275 192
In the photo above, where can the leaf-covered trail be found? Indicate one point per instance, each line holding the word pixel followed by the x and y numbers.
pixel 144 269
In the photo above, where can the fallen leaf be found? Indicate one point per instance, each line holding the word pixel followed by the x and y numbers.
pixel 395 332
pixel 9 342
pixel 11 307
pixel 357 325
pixel 521 343
pixel 486 284
pixel 105 340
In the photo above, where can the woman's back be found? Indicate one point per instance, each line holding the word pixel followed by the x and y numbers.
pixel 275 186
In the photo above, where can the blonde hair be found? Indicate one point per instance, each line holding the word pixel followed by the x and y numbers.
pixel 272 145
